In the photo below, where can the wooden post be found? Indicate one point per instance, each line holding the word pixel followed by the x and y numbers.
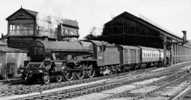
pixel 8 28
pixel 165 49
pixel 5 66
pixel 174 53
pixel 171 53
pixel 34 28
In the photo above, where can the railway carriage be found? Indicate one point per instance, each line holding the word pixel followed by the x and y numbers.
pixel 130 57
pixel 151 56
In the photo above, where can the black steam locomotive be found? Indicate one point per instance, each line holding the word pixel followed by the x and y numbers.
pixel 69 60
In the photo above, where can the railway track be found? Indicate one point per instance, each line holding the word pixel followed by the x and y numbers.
pixel 19 89
pixel 134 75
pixel 184 93
pixel 153 94
pixel 134 96
pixel 97 87
pixel 149 91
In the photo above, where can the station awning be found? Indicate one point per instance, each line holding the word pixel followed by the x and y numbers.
pixel 11 50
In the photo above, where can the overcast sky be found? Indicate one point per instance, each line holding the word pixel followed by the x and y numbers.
pixel 174 15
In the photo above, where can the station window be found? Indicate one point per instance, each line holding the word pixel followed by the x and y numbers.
pixel 68 32
pixel 21 29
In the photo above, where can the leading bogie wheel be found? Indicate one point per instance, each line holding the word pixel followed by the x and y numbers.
pixel 46 79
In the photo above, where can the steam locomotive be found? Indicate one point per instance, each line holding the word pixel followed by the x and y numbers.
pixel 69 60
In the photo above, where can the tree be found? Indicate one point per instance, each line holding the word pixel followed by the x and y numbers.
pixel 90 37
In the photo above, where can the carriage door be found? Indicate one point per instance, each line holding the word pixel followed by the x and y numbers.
pixel 133 56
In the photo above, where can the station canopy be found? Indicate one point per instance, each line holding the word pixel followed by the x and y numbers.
pixel 129 29
pixel 4 48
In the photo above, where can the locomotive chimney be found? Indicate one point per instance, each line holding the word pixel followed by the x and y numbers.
pixel 184 35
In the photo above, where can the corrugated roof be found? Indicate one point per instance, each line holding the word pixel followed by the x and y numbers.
pixel 31 12
pixel 69 22
pixel 148 23
pixel 11 50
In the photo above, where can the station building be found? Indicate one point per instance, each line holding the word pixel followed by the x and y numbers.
pixel 10 60
pixel 25 26
pixel 128 29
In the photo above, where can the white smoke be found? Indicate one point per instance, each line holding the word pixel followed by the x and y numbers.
pixel 96 31
pixel 47 24
pixel 47 20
